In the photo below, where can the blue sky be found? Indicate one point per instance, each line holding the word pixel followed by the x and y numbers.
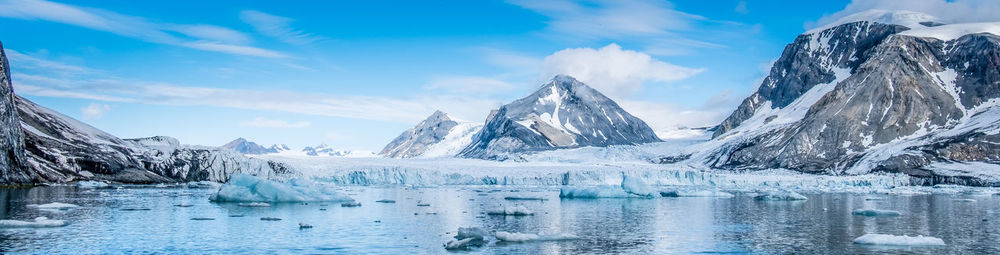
pixel 354 74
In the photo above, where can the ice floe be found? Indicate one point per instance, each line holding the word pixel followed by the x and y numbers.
pixel 512 211
pixel 876 213
pixel 779 195
pixel 504 236
pixel 53 206
pixel 246 188
pixel 92 184
pixel 39 222
pixel 894 240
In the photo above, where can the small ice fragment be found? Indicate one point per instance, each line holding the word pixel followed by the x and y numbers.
pixel 422 204
pixel 254 204
pixel 53 206
pixel 471 232
pixel 269 219
pixel 512 211
pixel 202 218
pixel 183 204
pixel 386 201
pixel 780 195
pixel 458 244
pixel 876 213
pixel 527 237
pixel 39 222
pixel 893 240
pixel 965 200
pixel 304 226
pixel 694 193
pixel 350 204
pixel 514 198
pixel 92 184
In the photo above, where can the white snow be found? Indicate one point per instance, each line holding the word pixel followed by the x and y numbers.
pixel 39 222
pixel 908 19
pixel 893 240
pixel 255 204
pixel 876 212
pixel 246 188
pixel 504 236
pixel 954 31
pixel 457 139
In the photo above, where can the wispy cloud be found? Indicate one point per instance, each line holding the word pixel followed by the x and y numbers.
pixel 95 110
pixel 278 27
pixel 948 11
pixel 195 36
pixel 273 123
pixel 468 84
pixel 613 70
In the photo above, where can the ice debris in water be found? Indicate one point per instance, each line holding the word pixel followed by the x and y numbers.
pixel 637 186
pixel 459 244
pixel 53 206
pixel 527 237
pixel 893 240
pixel 519 210
pixel 876 213
pixel 304 226
pixel 694 193
pixel 780 195
pixel 254 204
pixel 386 201
pixel 92 184
pixel 518 198
pixel 246 188
pixel 39 222
pixel 350 204
pixel 965 200
pixel 467 238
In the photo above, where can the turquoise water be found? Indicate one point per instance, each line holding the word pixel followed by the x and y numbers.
pixel 116 220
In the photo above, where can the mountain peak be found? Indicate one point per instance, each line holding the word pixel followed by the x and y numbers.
pixel 241 145
pixel 910 19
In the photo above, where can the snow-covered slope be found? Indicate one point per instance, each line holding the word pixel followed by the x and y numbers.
pixel 325 150
pixel 563 113
pixel 247 147
pixel 863 95
pixel 437 136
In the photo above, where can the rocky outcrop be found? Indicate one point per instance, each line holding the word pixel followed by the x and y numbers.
pixel 13 167
pixel 564 113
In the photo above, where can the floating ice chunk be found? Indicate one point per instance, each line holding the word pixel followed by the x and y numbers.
pixel 467 238
pixel 203 184
pixel 202 218
pixel 527 237
pixel 254 204
pixel 304 226
pixel 459 244
pixel 876 213
pixel 694 193
pixel 39 222
pixel 386 201
pixel 779 195
pixel 517 198
pixel 593 192
pixel 246 188
pixel 472 232
pixel 637 186
pixel 269 219
pixel 519 210
pixel 183 204
pixel 92 184
pixel 53 206
pixel 882 239
pixel 351 204
pixel 965 200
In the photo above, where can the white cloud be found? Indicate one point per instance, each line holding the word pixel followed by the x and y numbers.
pixel 468 84
pixel 95 110
pixel 273 123
pixel 956 11
pixel 613 71
pixel 277 27
pixel 196 36
pixel 610 18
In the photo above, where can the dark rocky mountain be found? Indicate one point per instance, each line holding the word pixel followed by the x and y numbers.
pixel 564 113
pixel 247 147
pixel 867 96
pixel 13 167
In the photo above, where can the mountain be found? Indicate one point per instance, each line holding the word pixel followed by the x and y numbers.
pixel 13 167
pixel 325 150
pixel 41 145
pixel 563 113
pixel 247 147
pixel 911 95
pixel 436 136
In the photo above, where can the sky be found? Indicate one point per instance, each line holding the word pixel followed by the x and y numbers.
pixel 356 74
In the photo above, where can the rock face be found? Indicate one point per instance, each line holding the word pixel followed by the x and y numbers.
pixel 564 113
pixel 865 96
pixel 247 147
pixel 436 136
pixel 13 167
pixel 62 149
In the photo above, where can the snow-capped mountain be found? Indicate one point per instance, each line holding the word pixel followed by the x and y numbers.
pixel 247 147
pixel 13 167
pixel 325 150
pixel 56 148
pixel 437 136
pixel 563 113
pixel 876 91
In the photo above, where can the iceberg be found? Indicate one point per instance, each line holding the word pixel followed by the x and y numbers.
pixel 779 195
pixel 39 222
pixel 876 213
pixel 467 238
pixel 254 204
pixel 92 184
pixel 246 188
pixel 694 193
pixel 459 244
pixel 471 232
pixel 893 240
pixel 513 211
pixel 637 186
pixel 527 237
